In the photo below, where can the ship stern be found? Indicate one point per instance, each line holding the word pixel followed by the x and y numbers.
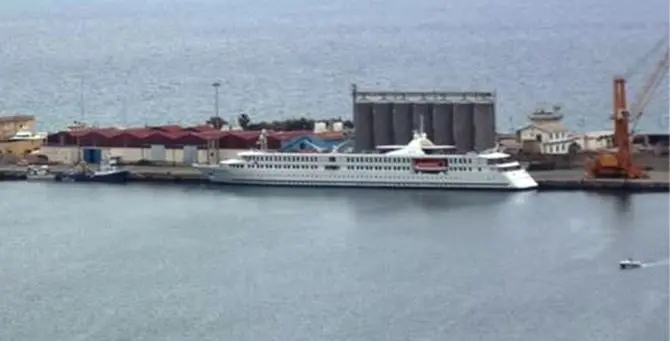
pixel 521 180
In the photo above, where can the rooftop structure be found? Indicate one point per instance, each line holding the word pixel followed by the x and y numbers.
pixel 170 136
pixel 542 116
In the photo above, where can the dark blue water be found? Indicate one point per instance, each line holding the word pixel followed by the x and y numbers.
pixel 154 61
pixel 160 263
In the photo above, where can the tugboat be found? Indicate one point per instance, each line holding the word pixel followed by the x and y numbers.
pixel 108 172
pixel 629 264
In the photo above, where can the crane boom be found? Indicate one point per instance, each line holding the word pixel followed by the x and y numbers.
pixel 652 83
pixel 620 164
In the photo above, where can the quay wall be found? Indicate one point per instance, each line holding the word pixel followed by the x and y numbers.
pixel 547 180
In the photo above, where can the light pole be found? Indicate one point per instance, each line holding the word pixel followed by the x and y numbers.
pixel 215 145
pixel 216 85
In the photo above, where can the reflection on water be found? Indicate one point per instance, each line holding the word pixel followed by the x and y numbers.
pixel 429 199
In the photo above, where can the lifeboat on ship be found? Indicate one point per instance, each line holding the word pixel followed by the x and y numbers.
pixel 429 165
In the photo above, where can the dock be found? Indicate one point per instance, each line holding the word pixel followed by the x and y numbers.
pixel 148 174
pixel 573 180
pixel 555 180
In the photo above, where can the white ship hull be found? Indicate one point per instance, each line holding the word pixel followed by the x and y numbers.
pixel 517 180
pixel 412 166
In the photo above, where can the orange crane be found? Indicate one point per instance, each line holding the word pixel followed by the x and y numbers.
pixel 620 163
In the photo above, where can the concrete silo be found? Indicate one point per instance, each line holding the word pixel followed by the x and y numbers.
pixel 382 123
pixel 484 122
pixel 363 123
pixel 463 126
pixel 425 110
pixel 465 120
pixel 402 122
pixel 443 123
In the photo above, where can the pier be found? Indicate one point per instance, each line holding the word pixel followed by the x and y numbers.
pixel 555 180
pixel 573 180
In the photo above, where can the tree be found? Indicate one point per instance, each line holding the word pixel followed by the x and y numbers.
pixel 217 122
pixel 244 121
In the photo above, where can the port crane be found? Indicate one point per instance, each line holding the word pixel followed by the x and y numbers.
pixel 619 164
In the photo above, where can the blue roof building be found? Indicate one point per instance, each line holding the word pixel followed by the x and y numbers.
pixel 309 142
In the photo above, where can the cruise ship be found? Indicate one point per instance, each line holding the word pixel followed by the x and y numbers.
pixel 419 164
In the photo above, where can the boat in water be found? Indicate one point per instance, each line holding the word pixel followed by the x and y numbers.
pixel 629 264
pixel 40 173
pixel 108 172
pixel 419 164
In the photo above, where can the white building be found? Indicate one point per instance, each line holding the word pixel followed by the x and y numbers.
pixel 595 140
pixel 549 137
pixel 546 133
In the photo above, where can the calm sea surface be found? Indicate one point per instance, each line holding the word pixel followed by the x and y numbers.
pixel 179 263
pixel 154 61
pixel 89 262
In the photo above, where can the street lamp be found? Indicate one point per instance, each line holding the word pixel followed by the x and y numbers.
pixel 216 86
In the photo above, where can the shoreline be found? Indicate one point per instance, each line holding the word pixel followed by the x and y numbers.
pixel 554 180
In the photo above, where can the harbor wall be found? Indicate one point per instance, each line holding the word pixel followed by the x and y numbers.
pixel 547 180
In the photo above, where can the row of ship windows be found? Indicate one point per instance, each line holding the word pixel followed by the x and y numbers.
pixel 384 159
pixel 379 176
pixel 387 159
pixel 396 168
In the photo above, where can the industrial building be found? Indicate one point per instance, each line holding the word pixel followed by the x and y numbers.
pixel 546 133
pixel 465 120
pixel 318 142
pixel 10 125
pixel 164 144
pixel 168 136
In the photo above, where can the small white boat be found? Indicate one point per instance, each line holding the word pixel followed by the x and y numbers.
pixel 41 173
pixel 629 264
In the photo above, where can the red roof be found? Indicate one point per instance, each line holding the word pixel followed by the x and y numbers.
pixel 169 134
pixel 170 128
pixel 246 135
pixel 202 128
pixel 136 132
pixel 108 132
pixel 201 132
pixel 212 134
